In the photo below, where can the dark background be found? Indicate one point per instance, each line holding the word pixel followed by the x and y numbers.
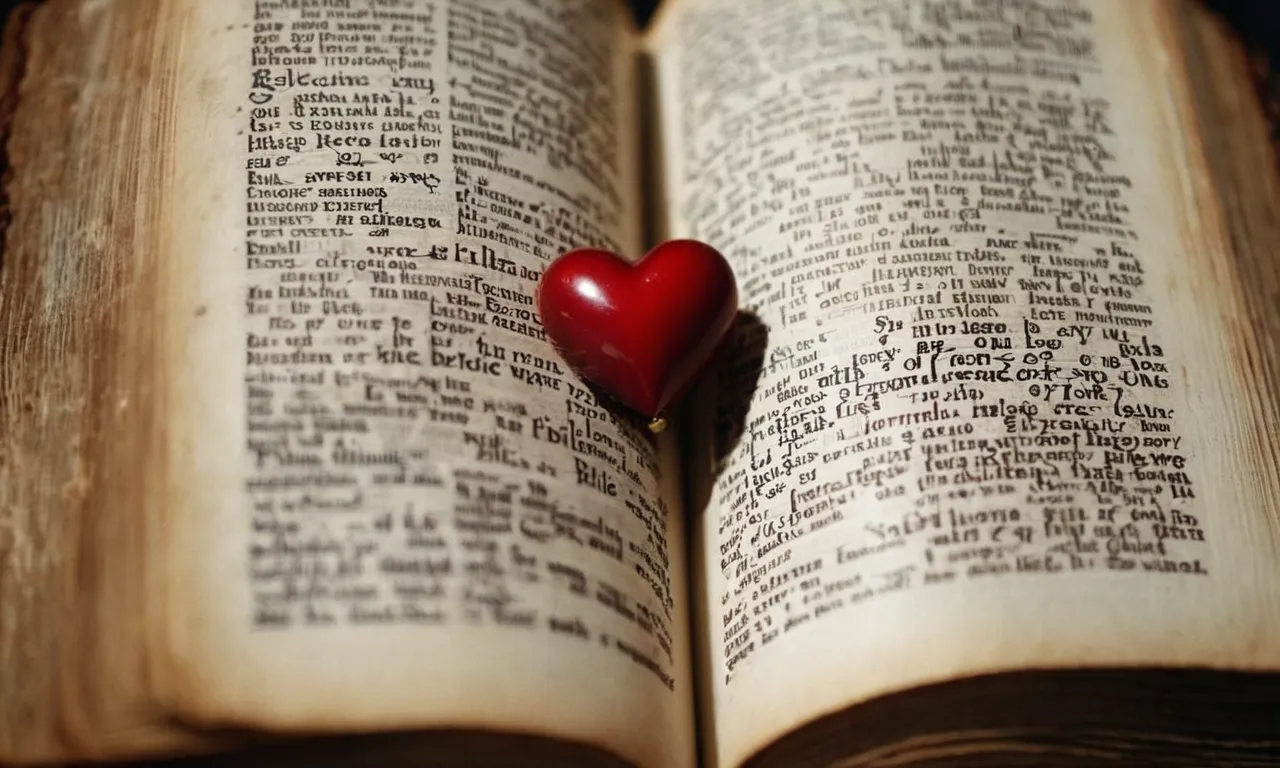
pixel 644 9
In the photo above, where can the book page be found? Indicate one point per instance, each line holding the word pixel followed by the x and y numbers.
pixel 401 510
pixel 999 414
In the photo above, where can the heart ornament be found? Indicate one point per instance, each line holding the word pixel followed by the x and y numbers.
pixel 641 331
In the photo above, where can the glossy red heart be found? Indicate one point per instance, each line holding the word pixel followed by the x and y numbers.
pixel 640 331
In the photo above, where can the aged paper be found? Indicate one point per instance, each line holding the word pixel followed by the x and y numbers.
pixel 402 510
pixel 991 420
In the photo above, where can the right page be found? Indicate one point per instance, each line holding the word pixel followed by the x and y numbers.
pixel 1004 409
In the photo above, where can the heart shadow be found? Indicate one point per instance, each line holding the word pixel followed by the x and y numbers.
pixel 724 390
pixel 736 376
pixel 719 411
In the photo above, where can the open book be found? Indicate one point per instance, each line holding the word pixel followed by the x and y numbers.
pixel 988 474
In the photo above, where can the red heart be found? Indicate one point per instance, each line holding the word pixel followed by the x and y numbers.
pixel 641 331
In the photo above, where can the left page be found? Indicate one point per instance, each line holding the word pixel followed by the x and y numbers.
pixel 392 507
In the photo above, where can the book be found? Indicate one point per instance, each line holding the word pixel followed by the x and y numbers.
pixel 987 474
